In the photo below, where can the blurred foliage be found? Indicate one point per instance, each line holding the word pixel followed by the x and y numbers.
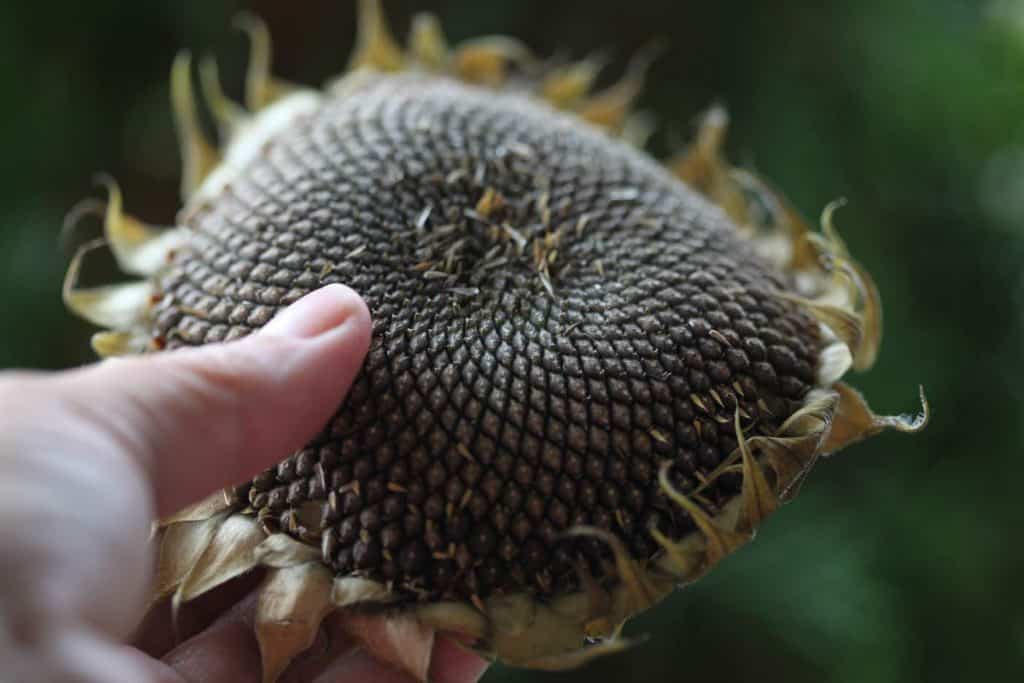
pixel 901 560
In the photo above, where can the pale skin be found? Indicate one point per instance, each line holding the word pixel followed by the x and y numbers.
pixel 89 458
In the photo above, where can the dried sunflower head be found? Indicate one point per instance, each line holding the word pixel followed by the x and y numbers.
pixel 592 375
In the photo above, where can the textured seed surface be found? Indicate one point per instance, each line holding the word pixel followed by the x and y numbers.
pixel 555 316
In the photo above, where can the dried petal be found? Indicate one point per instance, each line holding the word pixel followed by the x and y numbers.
pixel 375 46
pixel 854 420
pixel 427 44
pixel 292 604
pixel 610 109
pixel 230 553
pixel 282 551
pixel 119 307
pixel 719 541
pixel 352 590
pixel 140 249
pixel 402 640
pixel 179 547
pixel 113 344
pixel 199 155
pixel 262 89
pixel 759 500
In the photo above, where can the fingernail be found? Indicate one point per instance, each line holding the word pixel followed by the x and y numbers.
pixel 314 314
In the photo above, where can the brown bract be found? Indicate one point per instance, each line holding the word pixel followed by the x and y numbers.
pixel 665 458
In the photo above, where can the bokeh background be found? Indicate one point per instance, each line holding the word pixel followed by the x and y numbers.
pixel 902 559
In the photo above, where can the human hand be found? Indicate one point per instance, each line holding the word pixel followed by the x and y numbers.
pixel 90 457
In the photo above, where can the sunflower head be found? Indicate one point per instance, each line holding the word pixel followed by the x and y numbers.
pixel 593 375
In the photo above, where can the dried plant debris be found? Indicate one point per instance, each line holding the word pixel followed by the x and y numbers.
pixel 592 376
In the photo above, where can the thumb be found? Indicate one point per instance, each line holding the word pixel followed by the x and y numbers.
pixel 201 419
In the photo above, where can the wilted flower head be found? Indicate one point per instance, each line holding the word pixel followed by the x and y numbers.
pixel 589 382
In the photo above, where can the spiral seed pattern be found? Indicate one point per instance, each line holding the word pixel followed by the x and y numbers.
pixel 555 316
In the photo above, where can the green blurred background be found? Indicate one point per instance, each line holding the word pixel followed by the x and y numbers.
pixel 901 560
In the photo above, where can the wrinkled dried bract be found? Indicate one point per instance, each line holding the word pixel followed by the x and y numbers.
pixel 589 381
